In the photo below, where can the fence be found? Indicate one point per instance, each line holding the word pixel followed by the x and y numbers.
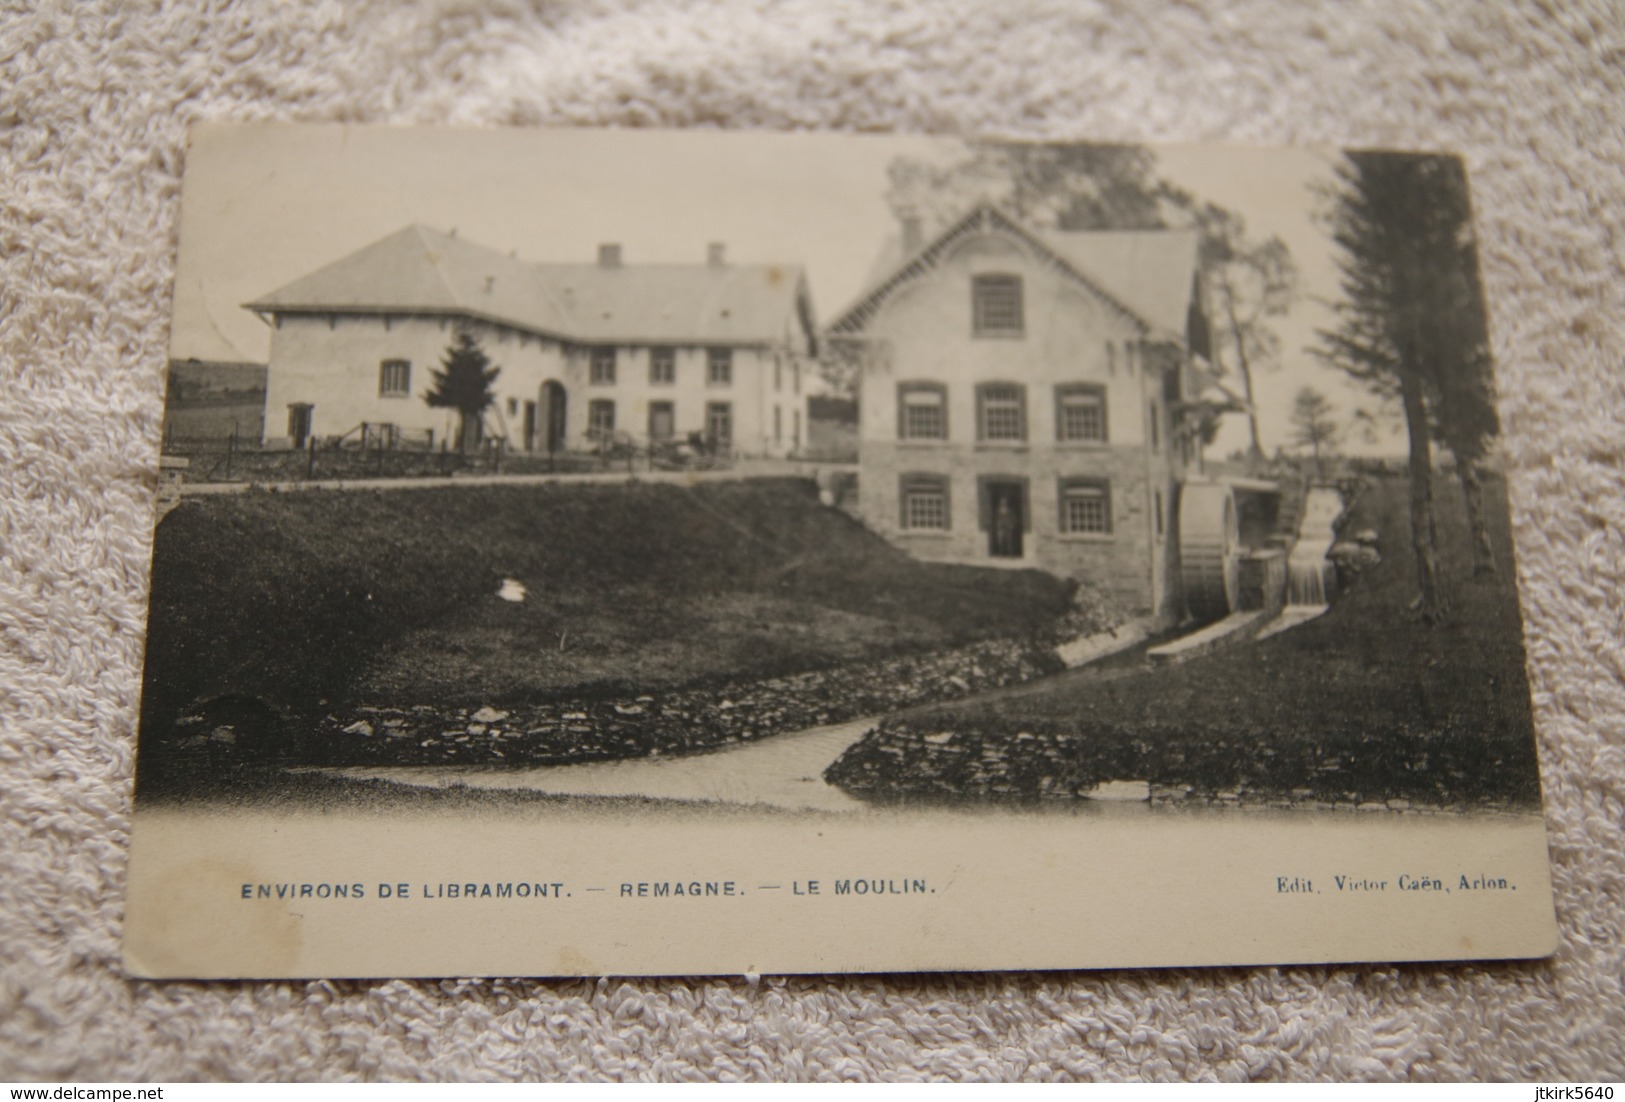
pixel 374 450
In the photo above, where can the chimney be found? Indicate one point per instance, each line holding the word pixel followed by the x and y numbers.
pixel 716 254
pixel 609 256
pixel 912 237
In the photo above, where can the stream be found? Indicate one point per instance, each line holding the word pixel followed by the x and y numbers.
pixel 783 771
pixel 780 771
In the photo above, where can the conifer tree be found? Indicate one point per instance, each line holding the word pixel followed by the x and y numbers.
pixel 1313 425
pixel 1411 325
pixel 463 383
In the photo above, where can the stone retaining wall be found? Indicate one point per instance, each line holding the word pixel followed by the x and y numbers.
pixel 672 722
pixel 900 761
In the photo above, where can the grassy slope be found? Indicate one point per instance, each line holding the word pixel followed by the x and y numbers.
pixel 298 598
pixel 1364 703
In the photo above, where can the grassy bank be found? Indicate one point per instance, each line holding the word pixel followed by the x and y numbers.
pixel 284 607
pixel 1365 704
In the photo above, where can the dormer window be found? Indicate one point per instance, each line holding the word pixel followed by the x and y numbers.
pixel 996 306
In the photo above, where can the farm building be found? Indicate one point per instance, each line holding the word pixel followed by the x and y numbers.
pixel 1032 398
pixel 588 352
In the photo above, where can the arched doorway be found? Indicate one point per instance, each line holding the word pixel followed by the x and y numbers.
pixel 553 416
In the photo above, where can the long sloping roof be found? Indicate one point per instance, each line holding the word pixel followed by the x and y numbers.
pixel 1149 274
pixel 421 270
pixel 1152 272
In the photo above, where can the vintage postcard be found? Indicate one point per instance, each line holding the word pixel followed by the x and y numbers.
pixel 591 552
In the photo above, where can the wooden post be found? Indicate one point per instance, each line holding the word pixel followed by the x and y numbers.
pixel 231 449
pixel 310 462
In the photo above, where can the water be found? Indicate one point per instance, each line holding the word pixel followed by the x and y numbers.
pixel 1308 582
pixel 785 771
pixel 1310 577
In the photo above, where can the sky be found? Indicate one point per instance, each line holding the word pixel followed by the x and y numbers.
pixel 1280 193
pixel 264 205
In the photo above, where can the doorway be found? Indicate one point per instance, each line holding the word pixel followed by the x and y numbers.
pixel 553 403
pixel 662 422
pixel 1006 504
pixel 299 418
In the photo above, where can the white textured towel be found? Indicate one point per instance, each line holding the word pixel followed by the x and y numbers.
pixel 94 101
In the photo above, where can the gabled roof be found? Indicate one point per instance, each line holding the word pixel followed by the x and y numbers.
pixel 1149 275
pixel 1153 272
pixel 421 270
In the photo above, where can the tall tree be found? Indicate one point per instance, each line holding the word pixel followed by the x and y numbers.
pixel 839 364
pixel 1068 187
pixel 1248 282
pixel 1400 221
pixel 1314 425
pixel 463 383
pixel 1465 418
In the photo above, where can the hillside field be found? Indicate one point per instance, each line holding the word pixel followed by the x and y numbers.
pixel 1364 705
pixel 309 601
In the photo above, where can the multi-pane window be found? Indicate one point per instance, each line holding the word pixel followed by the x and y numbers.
pixel 922 411
pixel 719 423
pixel 996 305
pixel 1086 507
pixel 662 366
pixel 394 379
pixel 600 417
pixel 1001 412
pixel 719 366
pixel 1080 413
pixel 603 367
pixel 924 500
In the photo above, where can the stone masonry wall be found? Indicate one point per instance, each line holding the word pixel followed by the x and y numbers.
pixel 1120 564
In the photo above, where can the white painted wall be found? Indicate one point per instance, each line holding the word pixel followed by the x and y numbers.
pixel 927 328
pixel 334 364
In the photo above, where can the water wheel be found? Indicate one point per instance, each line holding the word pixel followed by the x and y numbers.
pixel 1210 550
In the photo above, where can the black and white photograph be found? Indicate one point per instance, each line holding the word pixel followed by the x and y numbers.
pixel 587 552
